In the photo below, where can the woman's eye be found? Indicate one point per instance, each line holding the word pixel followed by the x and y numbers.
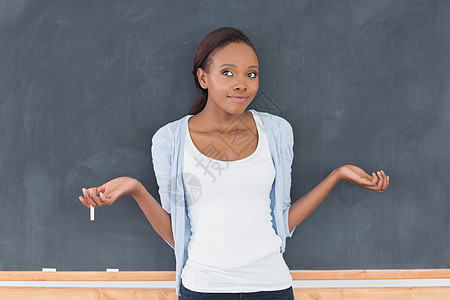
pixel 252 75
pixel 227 73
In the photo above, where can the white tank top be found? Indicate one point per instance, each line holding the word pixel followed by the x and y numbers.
pixel 233 246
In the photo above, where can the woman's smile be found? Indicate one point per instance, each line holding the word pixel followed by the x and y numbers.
pixel 239 98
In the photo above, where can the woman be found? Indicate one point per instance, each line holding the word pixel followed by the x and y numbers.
pixel 224 176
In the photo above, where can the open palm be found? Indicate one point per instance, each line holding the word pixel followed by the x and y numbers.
pixel 109 192
pixel 378 181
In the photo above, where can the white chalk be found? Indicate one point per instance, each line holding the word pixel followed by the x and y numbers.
pixel 48 269
pixel 112 270
pixel 92 213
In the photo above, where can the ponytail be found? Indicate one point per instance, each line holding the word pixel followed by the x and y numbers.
pixel 199 104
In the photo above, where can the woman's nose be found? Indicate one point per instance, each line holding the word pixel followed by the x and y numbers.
pixel 239 85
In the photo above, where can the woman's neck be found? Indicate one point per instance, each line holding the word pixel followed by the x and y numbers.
pixel 220 120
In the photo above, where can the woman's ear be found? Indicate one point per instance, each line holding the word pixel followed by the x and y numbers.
pixel 201 76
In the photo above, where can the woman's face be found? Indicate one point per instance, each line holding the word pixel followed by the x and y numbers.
pixel 232 81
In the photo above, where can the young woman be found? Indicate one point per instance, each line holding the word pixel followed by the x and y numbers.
pixel 224 176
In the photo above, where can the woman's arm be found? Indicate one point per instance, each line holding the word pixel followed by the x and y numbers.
pixel 156 215
pixel 304 206
pixel 109 192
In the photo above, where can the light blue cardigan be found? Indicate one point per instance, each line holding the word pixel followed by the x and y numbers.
pixel 167 155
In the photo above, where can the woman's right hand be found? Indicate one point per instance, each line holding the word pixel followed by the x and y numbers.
pixel 109 192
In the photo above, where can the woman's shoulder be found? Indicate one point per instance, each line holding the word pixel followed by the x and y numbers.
pixel 273 121
pixel 170 129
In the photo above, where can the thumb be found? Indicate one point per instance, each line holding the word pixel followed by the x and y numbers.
pixel 366 179
pixel 99 189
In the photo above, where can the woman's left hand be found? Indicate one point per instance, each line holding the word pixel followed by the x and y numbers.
pixel 379 181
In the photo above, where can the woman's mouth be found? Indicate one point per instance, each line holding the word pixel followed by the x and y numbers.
pixel 238 98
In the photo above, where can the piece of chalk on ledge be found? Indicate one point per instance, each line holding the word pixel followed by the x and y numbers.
pixel 48 269
pixel 92 213
pixel 112 270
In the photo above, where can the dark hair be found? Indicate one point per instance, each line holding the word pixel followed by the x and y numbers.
pixel 214 40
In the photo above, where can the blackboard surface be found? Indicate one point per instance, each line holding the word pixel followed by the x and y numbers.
pixel 84 85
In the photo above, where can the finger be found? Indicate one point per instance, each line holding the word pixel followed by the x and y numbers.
pixel 83 201
pixel 375 179
pixel 86 201
pixel 386 180
pixel 93 195
pixel 89 199
pixel 98 190
pixel 106 198
pixel 380 183
pixel 103 198
pixel 373 184
pixel 101 192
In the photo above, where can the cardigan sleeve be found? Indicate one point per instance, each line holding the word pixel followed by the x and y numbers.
pixel 161 154
pixel 287 156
